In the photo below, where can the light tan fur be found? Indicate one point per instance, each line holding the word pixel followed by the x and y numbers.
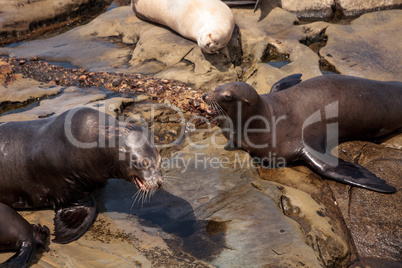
pixel 208 22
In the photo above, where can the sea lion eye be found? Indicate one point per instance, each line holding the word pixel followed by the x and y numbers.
pixel 227 96
pixel 145 163
pixel 209 44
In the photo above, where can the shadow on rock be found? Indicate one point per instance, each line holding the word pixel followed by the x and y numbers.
pixel 204 239
pixel 267 6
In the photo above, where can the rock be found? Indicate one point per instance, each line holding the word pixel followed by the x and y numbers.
pixel 72 97
pixel 15 90
pixel 113 106
pixel 328 9
pixel 373 218
pixel 353 8
pixel 210 210
pixel 36 16
pixel 253 45
pixel 310 9
pixel 276 34
pixel 307 199
pixel 208 214
pixel 25 89
pixel 141 50
pixel 120 241
pixel 393 142
pixel 78 47
pixel 369 47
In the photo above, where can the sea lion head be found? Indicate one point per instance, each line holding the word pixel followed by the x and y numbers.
pixel 226 99
pixel 141 159
pixel 211 41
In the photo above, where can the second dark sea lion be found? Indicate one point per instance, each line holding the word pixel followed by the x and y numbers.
pixel 303 121
pixel 58 162
pixel 16 234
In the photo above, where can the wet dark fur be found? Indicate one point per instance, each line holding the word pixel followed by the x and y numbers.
pixel 367 109
pixel 16 234
pixel 40 167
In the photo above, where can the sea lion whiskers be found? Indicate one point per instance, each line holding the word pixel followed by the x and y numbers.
pixel 220 109
pixel 150 194
pixel 142 196
pixel 217 108
pixel 137 197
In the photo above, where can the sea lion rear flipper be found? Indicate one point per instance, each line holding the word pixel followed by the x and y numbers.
pixel 230 146
pixel 70 223
pixel 286 82
pixel 22 258
pixel 257 5
pixel 345 172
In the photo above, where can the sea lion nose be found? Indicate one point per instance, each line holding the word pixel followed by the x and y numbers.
pixel 204 96
pixel 159 183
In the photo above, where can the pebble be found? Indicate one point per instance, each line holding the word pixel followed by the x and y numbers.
pixel 116 82
pixel 160 90
pixel 196 103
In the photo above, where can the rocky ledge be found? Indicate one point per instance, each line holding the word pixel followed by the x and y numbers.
pixel 232 215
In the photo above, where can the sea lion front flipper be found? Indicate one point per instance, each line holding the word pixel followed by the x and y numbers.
pixel 287 82
pixel 345 172
pixel 22 258
pixel 70 223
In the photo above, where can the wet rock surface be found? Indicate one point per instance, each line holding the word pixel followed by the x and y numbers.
pixel 71 97
pixel 355 8
pixel 162 90
pixel 216 209
pixel 25 19
pixel 372 218
pixel 216 215
pixel 260 53
pixel 328 9
pixel 307 199
pixel 120 42
pixel 368 51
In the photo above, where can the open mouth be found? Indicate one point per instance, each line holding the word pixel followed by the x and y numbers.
pixel 211 110
pixel 138 183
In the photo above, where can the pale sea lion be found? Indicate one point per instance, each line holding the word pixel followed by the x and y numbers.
pixel 303 121
pixel 208 22
pixel 60 161
pixel 16 234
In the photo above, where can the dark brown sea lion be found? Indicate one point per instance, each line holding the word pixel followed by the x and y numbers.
pixel 16 234
pixel 303 121
pixel 60 161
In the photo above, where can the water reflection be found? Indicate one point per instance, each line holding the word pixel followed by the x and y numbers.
pixel 118 3
pixel 204 239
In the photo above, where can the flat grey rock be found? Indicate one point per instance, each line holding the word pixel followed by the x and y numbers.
pixel 369 47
